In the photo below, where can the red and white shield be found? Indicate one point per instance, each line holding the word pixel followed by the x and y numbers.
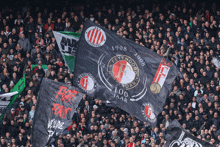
pixel 123 72
pixel 87 83
pixel 149 113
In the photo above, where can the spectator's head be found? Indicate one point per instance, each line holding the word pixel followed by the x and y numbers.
pixel 131 139
pixel 22 36
pixel 167 117
pixel 21 104
pixel 49 21
pixel 2 140
pixel 12 122
pixel 22 108
pixel 13 31
pixel 9 144
pixel 5 45
pixel 12 110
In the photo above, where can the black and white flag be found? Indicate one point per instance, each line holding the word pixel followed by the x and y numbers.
pixel 55 107
pixel 177 136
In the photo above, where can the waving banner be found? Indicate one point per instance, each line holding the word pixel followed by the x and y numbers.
pixel 122 73
pixel 66 42
pixel 177 136
pixel 55 107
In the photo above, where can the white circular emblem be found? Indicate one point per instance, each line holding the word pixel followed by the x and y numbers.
pixel 95 36
pixel 86 82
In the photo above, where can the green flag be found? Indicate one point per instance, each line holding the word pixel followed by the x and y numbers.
pixel 19 87
pixel 44 66
pixel 66 42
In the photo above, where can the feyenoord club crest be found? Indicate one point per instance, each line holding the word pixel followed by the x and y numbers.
pixel 122 76
pixel 124 70
pixel 148 112
pixel 95 36
pixel 86 82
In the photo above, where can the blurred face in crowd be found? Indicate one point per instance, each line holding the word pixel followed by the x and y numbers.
pixel 22 36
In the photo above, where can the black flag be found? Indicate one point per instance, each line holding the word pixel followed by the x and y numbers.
pixel 55 107
pixel 177 136
pixel 122 73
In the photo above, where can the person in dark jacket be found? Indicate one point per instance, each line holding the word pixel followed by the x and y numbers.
pixel 30 27
pixel 3 128
pixel 13 129
pixel 69 28
pixel 59 26
pixel 21 140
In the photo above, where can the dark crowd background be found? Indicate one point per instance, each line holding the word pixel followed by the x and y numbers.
pixel 186 32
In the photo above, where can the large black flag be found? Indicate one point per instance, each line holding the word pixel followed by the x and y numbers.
pixel 177 136
pixel 55 107
pixel 122 73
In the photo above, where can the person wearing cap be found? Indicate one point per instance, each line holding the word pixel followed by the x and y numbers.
pixel 125 135
pixel 12 115
pixel 21 104
pixel 13 35
pixel 96 109
pixel 69 83
pixel 22 111
pixel 211 95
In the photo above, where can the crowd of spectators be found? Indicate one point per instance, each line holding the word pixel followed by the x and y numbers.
pixel 188 33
